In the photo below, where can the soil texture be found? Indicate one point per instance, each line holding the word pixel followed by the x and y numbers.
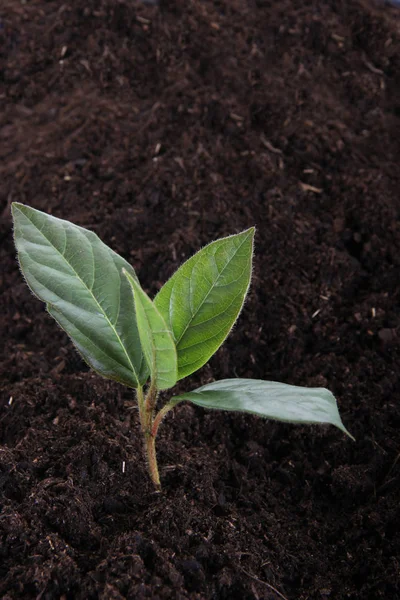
pixel 162 127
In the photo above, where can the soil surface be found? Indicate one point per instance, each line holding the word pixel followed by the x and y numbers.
pixel 162 127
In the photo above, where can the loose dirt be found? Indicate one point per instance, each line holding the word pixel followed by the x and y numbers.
pixel 161 128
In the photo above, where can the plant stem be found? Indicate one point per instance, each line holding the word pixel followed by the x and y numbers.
pixel 147 405
pixel 141 405
pixel 152 460
pixel 150 405
pixel 161 414
pixel 149 425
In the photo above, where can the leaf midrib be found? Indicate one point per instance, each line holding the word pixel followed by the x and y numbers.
pixel 89 290
pixel 208 293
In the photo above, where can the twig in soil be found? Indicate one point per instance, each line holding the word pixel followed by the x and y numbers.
pixel 371 67
pixel 310 188
pixel 385 482
pixel 269 146
pixel 271 587
pixel 394 464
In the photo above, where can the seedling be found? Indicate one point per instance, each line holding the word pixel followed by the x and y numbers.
pixel 149 345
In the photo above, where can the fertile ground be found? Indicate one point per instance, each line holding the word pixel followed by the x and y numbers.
pixel 162 127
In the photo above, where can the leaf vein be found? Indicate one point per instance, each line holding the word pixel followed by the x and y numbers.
pixel 210 290
pixel 98 304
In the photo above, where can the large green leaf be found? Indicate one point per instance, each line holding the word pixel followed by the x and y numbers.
pixel 157 341
pixel 269 399
pixel 81 281
pixel 202 300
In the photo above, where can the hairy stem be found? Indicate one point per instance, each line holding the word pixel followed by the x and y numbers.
pixel 152 460
pixel 161 414
pixel 150 404
pixel 141 405
pixel 147 404
pixel 150 424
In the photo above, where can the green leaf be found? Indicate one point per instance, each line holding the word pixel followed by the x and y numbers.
pixel 81 281
pixel 157 342
pixel 202 300
pixel 269 399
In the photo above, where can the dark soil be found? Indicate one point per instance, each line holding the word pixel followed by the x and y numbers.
pixel 163 127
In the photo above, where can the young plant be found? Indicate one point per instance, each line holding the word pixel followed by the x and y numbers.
pixel 149 345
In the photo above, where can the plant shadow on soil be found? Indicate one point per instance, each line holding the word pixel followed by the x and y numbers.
pixel 162 127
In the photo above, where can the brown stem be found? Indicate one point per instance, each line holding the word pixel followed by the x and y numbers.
pixel 150 425
pixel 150 405
pixel 152 460
pixel 141 405
pixel 161 414
pixel 147 405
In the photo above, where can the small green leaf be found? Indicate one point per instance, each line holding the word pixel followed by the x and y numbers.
pixel 202 300
pixel 269 399
pixel 81 281
pixel 157 342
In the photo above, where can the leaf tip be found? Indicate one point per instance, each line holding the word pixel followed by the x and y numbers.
pixel 250 231
pixel 348 433
pixel 134 283
pixel 16 206
pixel 126 274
